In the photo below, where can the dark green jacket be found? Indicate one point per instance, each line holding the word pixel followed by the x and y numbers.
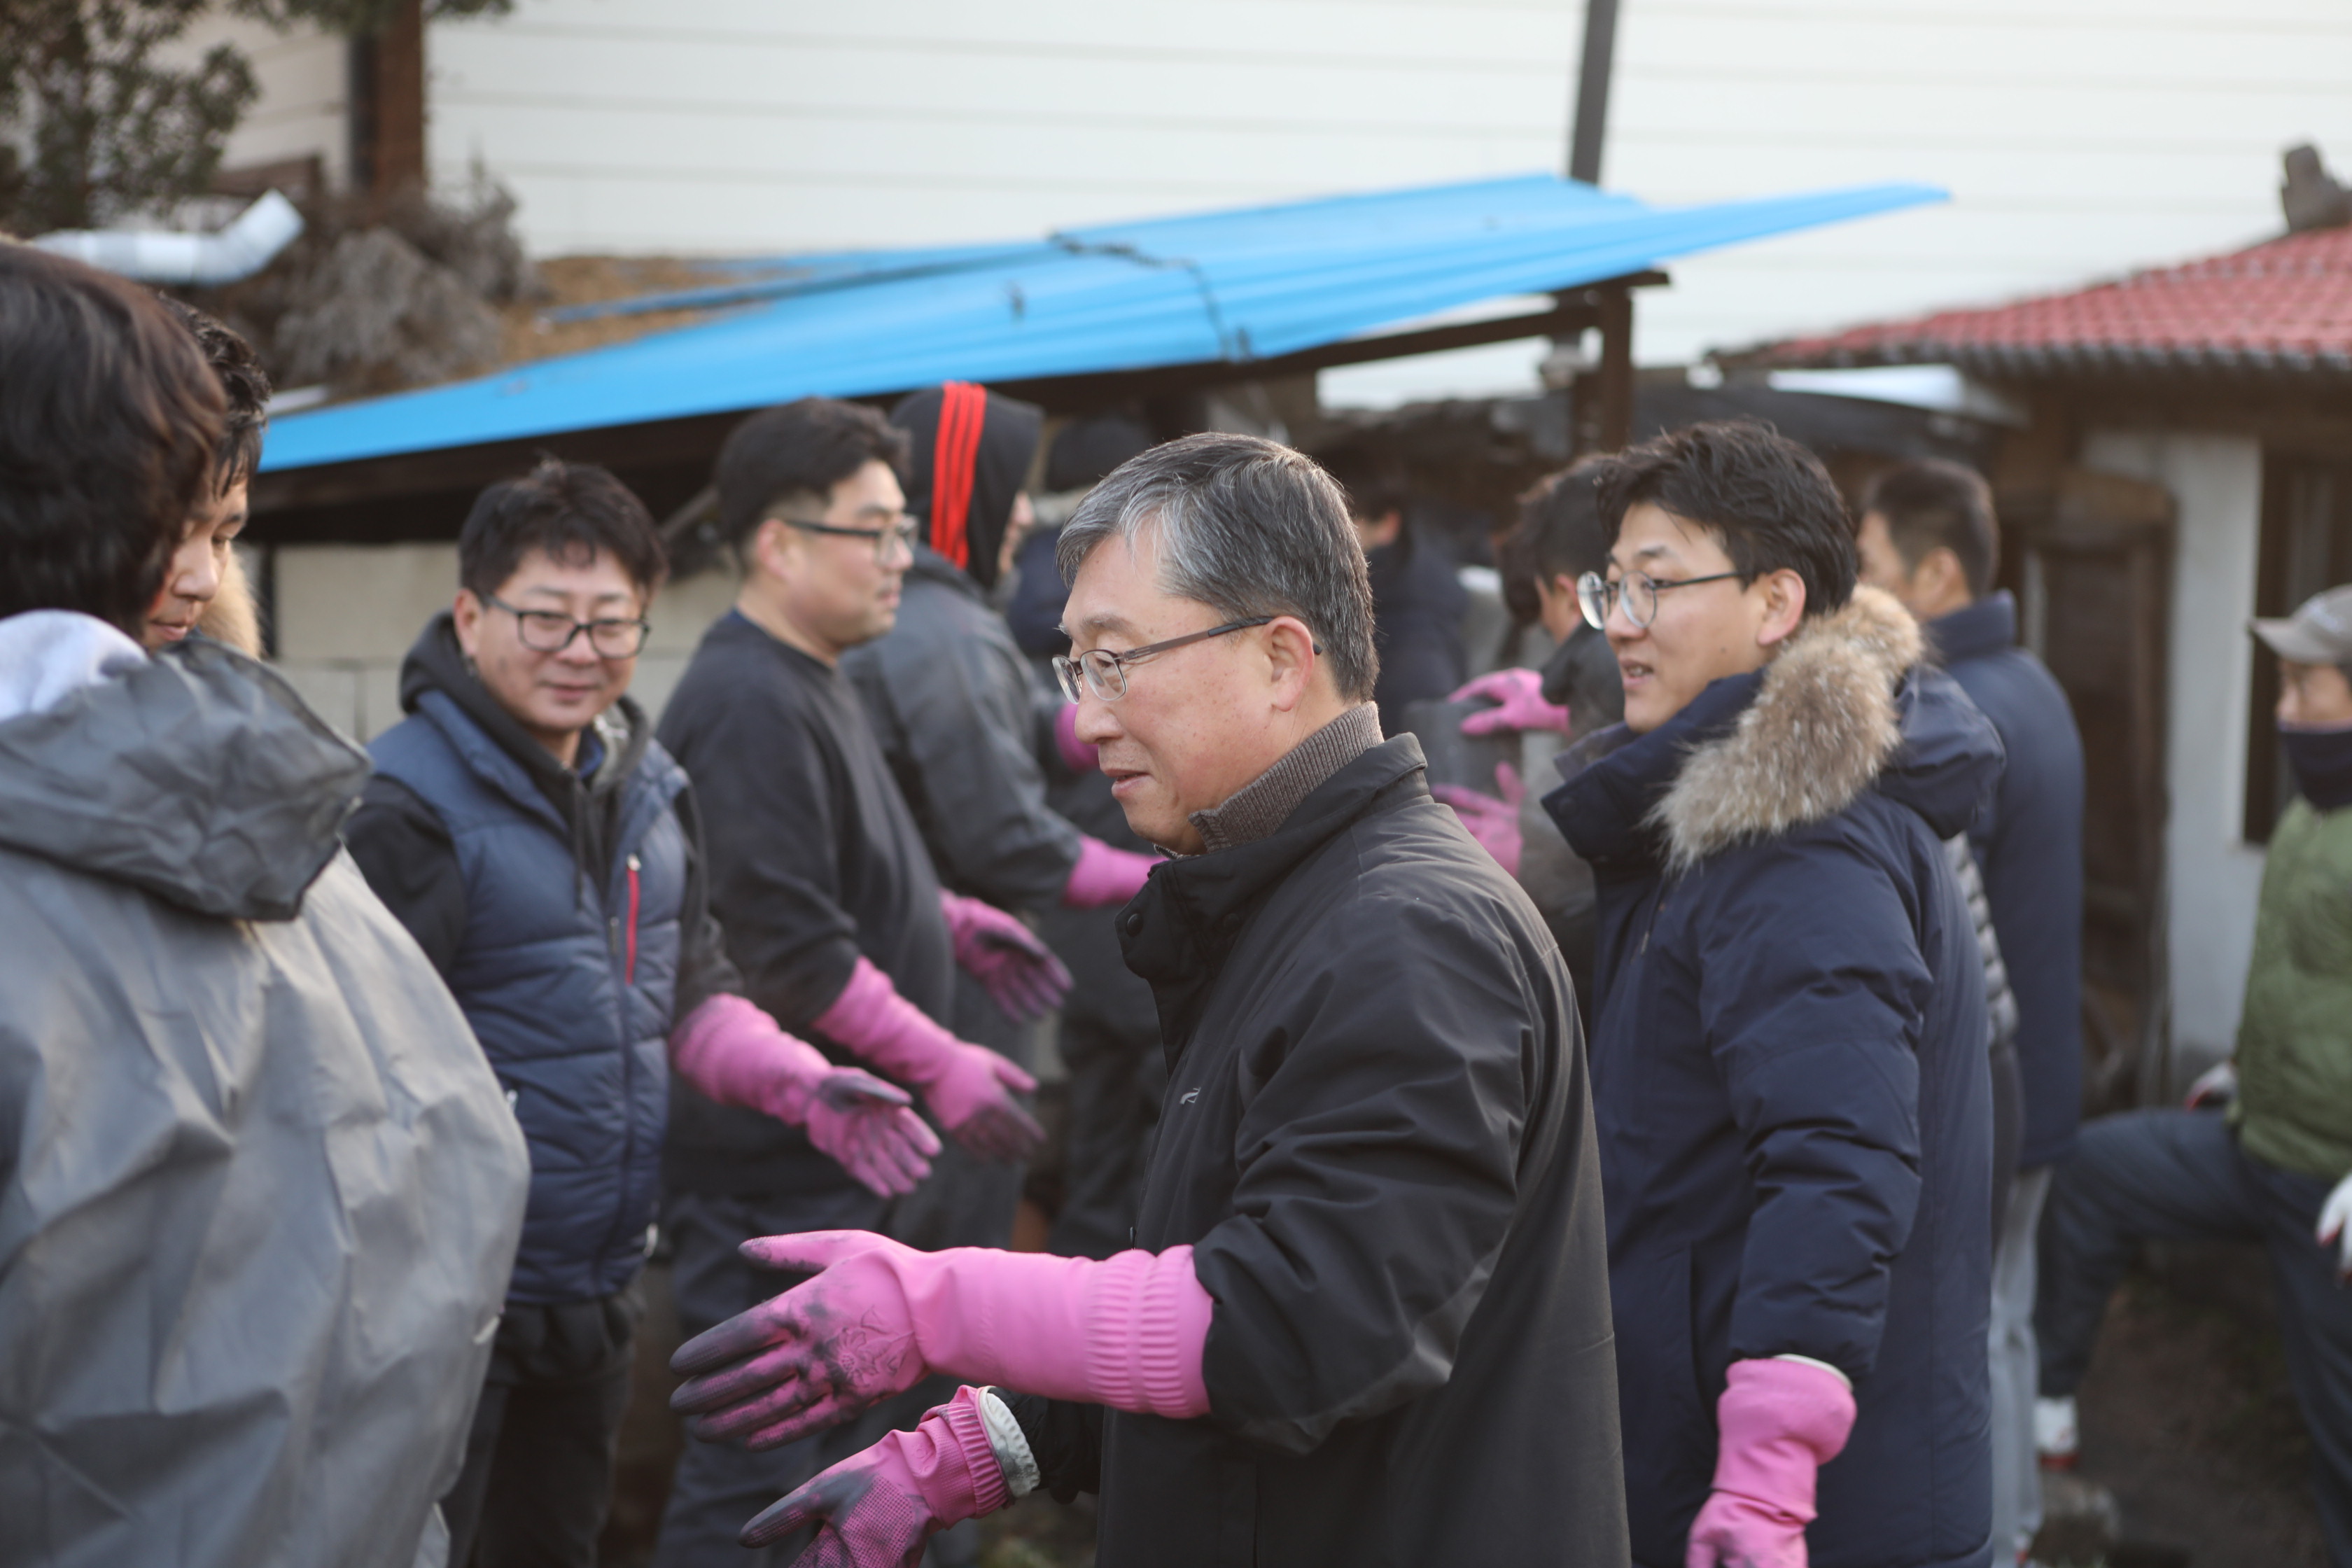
pixel 2294 1037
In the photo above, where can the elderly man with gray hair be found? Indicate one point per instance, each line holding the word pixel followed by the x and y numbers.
pixel 1365 1320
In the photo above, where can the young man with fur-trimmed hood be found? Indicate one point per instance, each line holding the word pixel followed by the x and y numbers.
pixel 1788 1065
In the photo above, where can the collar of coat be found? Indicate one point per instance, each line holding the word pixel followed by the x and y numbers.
pixel 1178 930
pixel 1821 728
pixel 1265 803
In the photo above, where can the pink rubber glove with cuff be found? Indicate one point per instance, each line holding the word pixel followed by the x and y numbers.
pixel 1519 704
pixel 875 1509
pixel 736 1055
pixel 1127 1331
pixel 969 1088
pixel 1005 956
pixel 1779 1422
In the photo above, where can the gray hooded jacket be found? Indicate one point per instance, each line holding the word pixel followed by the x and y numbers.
pixel 258 1191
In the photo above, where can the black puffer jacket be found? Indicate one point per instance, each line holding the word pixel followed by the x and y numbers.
pixel 1379 1143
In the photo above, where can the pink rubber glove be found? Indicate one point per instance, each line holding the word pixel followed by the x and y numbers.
pixel 880 1316
pixel 1005 956
pixel 1493 821
pixel 734 1053
pixel 874 1510
pixel 1780 1422
pixel 1076 755
pixel 1520 694
pixel 1105 874
pixel 969 1088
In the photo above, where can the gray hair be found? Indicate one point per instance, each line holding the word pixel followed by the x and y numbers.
pixel 1247 528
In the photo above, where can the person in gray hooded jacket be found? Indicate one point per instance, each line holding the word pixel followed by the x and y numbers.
pixel 258 1191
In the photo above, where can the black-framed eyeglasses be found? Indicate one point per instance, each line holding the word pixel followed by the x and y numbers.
pixel 1596 596
pixel 1105 672
pixel 887 542
pixel 553 631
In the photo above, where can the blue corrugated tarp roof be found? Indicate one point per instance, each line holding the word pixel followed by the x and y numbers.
pixel 1235 285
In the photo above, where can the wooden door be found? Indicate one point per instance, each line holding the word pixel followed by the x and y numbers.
pixel 2091 564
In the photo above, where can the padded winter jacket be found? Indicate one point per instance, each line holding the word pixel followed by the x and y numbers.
pixel 569 975
pixel 1790 1078
pixel 1378 1142
pixel 258 1191
pixel 2294 1036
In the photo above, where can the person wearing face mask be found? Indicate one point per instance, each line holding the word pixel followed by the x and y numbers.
pixel 546 853
pixel 1789 1027
pixel 2276 1165
pixel 204 588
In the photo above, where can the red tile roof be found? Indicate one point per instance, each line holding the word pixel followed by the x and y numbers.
pixel 2281 307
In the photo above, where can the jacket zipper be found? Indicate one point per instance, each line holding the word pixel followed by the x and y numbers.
pixel 629 974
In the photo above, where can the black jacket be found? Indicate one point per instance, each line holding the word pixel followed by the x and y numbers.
pixel 1377 1142
pixel 2030 846
pixel 1417 605
pixel 815 863
pixel 1789 1079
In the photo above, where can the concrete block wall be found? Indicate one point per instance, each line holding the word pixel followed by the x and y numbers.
pixel 346 616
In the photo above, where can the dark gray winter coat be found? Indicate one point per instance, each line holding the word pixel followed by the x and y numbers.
pixel 1377 1142
pixel 955 710
pixel 258 1190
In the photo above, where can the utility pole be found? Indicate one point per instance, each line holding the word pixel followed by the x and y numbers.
pixel 1601 404
pixel 1593 92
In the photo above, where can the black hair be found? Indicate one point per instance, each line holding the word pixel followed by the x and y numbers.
pixel 244 384
pixel 109 418
pixel 570 511
pixel 1372 480
pixel 1560 533
pixel 804 448
pixel 1929 503
pixel 1768 500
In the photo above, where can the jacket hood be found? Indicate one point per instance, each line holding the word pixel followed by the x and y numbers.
pixel 1847 706
pixel 198 777
pixel 972 451
pixel 437 663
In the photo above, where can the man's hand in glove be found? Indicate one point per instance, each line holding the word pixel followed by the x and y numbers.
pixel 2333 1232
pixel 876 1508
pixel 1519 704
pixel 1779 1422
pixel 1005 956
pixel 2215 1088
pixel 1493 821
pixel 969 1088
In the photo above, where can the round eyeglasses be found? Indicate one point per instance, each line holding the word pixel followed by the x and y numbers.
pixel 553 631
pixel 1596 596
pixel 1105 672
pixel 888 540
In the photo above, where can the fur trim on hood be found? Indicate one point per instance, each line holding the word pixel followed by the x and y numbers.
pixel 1822 727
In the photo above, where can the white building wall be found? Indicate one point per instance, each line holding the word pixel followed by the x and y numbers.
pixel 305 103
pixel 2216 875
pixel 2080 138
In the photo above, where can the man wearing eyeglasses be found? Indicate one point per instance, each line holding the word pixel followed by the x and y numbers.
pixel 545 853
pixel 1789 1052
pixel 1363 1318
pixel 831 904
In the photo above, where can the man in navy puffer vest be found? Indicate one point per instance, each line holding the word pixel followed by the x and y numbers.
pixel 544 852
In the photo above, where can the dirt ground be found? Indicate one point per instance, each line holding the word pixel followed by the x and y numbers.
pixel 2187 1417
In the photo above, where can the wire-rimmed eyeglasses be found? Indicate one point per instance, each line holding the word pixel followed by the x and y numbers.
pixel 1105 672
pixel 888 540
pixel 553 631
pixel 1596 596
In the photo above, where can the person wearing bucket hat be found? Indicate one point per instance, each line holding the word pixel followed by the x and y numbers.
pixel 2275 1165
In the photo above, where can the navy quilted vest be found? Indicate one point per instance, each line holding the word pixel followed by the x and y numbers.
pixel 570 984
